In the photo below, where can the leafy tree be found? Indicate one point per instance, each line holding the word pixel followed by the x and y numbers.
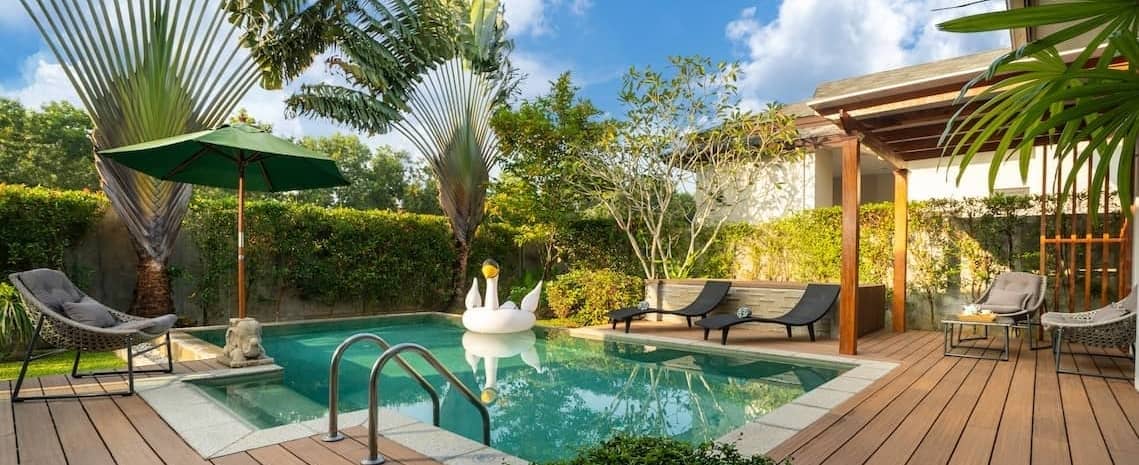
pixel 1085 105
pixel 678 165
pixel 47 147
pixel 544 141
pixel 376 179
pixel 421 191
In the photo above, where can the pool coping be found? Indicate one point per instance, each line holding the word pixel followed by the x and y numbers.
pixel 213 430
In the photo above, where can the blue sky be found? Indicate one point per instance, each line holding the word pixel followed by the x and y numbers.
pixel 785 47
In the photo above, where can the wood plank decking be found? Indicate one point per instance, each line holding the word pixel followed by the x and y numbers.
pixel 126 431
pixel 930 410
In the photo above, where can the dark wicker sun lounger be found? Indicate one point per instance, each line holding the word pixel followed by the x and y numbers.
pixel 812 307
pixel 710 296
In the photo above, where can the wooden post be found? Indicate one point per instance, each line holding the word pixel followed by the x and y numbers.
pixel 848 297
pixel 241 241
pixel 901 241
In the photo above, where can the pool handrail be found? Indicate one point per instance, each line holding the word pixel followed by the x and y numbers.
pixel 374 457
pixel 334 383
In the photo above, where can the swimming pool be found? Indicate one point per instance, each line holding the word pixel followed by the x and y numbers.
pixel 548 393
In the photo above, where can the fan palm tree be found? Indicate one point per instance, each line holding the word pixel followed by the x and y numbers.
pixel 1085 105
pixel 446 115
pixel 148 69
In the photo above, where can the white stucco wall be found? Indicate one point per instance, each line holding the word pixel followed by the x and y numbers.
pixel 781 189
pixel 935 178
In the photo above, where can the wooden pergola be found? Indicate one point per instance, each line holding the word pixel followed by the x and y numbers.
pixel 900 116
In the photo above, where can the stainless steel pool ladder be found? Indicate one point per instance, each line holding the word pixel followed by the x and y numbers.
pixel 334 383
pixel 391 352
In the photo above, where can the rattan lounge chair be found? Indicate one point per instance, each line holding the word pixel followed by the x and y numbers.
pixel 44 293
pixel 710 296
pixel 816 301
pixel 1112 326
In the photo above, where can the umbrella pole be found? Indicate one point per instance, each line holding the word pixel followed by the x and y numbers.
pixel 241 241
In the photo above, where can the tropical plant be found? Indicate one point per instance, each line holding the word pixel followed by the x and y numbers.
pixel 649 450
pixel 1084 102
pixel 143 71
pixel 684 159
pixel 544 141
pixel 442 103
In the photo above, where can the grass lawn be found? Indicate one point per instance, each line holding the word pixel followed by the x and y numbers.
pixel 60 363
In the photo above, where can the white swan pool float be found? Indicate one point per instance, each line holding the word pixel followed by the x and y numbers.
pixel 491 318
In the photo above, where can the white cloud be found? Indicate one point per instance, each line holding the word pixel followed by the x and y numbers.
pixel 539 73
pixel 580 7
pixel 812 41
pixel 45 81
pixel 526 17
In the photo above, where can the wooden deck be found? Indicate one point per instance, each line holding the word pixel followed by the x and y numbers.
pixel 126 431
pixel 930 410
pixel 945 410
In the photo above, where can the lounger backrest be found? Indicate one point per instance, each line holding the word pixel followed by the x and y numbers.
pixel 49 287
pixel 817 299
pixel 710 296
pixel 1019 281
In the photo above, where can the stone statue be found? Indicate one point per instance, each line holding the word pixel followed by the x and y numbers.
pixel 243 344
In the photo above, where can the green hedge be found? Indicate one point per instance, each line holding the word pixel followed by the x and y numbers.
pixel 586 296
pixel 379 259
pixel 39 227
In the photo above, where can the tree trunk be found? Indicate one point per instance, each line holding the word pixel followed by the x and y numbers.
pixel 458 286
pixel 152 290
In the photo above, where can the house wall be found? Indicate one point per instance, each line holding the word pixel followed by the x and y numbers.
pixel 936 179
pixel 781 189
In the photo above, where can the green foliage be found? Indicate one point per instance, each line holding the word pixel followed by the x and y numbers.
pixel 1081 104
pixel 15 327
pixel 46 147
pixel 648 171
pixel 586 296
pixel 595 244
pixel 376 178
pixel 644 450
pixel 543 142
pixel 377 258
pixel 41 225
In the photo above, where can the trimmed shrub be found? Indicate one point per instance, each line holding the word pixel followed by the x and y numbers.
pixel 586 296
pixel 634 450
pixel 598 244
pixel 41 225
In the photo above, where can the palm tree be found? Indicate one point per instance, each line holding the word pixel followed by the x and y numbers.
pixel 146 70
pixel 150 69
pixel 446 114
pixel 1085 105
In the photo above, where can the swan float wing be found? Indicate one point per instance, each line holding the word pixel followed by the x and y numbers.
pixel 474 299
pixel 530 302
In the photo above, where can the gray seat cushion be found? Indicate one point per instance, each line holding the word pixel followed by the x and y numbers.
pixel 90 312
pixel 157 325
pixel 51 287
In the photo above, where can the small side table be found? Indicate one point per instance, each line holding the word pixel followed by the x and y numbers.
pixel 953 346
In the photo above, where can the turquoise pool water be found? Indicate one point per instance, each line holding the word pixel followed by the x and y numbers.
pixel 548 393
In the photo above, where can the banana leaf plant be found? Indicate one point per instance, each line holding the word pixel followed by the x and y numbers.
pixel 146 70
pixel 1084 102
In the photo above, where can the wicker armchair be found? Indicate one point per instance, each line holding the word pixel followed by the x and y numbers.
pixel 1112 326
pixel 44 292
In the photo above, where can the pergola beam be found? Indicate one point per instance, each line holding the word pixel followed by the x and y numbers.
pixel 887 154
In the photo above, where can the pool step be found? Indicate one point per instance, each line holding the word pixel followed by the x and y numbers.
pixel 266 403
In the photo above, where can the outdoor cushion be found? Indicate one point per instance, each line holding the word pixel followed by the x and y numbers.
pixel 1006 298
pixel 51 287
pixel 157 325
pixel 89 312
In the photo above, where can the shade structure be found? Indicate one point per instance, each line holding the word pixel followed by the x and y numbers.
pixel 235 156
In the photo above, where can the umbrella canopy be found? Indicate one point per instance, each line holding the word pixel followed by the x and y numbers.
pixel 236 157
pixel 214 158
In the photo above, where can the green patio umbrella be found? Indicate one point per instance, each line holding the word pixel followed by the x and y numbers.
pixel 235 156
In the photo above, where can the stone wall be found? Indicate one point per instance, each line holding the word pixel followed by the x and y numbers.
pixel 766 298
